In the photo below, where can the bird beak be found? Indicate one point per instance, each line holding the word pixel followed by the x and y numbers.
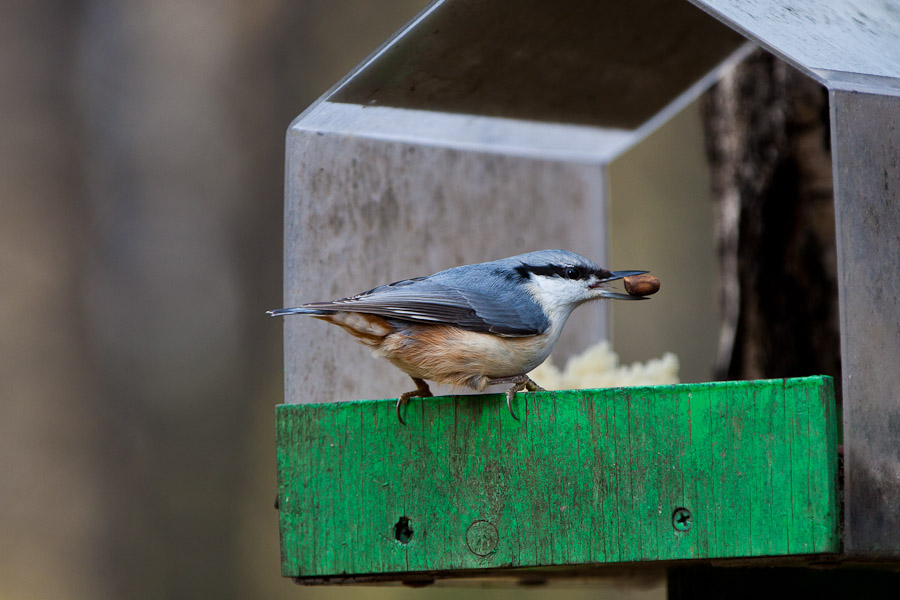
pixel 618 296
pixel 620 274
pixel 614 275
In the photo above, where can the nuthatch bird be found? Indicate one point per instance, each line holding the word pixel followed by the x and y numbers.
pixel 473 325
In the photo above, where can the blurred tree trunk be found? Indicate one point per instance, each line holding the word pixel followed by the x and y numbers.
pixel 51 478
pixel 768 143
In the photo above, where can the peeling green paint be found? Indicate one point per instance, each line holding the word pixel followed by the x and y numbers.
pixel 586 477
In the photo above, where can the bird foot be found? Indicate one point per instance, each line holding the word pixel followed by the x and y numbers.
pixel 520 382
pixel 422 391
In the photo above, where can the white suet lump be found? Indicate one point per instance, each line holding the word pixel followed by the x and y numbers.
pixel 598 367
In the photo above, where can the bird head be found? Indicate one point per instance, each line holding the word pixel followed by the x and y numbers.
pixel 560 280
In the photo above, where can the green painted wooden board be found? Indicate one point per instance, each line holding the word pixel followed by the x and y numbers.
pixel 586 477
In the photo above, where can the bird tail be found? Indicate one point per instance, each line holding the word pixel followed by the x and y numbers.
pixel 313 312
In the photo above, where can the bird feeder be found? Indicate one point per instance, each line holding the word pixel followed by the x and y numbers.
pixel 485 128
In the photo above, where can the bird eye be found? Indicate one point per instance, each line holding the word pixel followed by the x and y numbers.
pixel 573 273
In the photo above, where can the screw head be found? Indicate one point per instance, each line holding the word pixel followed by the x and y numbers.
pixel 682 519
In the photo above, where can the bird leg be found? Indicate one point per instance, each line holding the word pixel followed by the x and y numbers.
pixel 422 391
pixel 520 382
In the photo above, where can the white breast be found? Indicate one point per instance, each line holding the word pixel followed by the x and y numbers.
pixel 445 354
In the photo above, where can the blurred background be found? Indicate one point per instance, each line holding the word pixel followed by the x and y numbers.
pixel 140 246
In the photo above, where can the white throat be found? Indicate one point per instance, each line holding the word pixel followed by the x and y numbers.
pixel 558 297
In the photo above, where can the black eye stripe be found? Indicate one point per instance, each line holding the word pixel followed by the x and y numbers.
pixel 525 271
pixel 546 270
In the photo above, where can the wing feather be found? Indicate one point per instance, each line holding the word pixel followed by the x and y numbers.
pixel 479 301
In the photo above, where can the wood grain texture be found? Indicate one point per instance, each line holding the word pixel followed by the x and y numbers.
pixel 586 477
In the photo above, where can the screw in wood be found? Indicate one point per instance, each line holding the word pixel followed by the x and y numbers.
pixel 681 519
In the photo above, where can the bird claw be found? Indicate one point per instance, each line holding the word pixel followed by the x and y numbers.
pixel 531 386
pixel 422 391
pixel 521 382
pixel 510 394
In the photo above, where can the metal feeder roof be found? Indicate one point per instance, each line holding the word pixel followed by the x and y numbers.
pixel 462 62
pixel 840 43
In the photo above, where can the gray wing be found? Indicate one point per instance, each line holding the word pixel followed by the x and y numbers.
pixel 477 300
